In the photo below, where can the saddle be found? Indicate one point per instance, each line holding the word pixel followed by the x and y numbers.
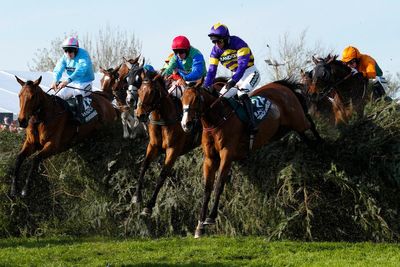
pixel 80 108
pixel 261 106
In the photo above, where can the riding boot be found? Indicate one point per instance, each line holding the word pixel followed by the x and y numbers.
pixel 246 101
pixel 378 90
pixel 79 109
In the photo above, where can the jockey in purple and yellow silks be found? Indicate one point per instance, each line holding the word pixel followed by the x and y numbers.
pixel 234 54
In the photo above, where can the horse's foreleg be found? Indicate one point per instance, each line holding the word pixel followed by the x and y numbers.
pixel 46 151
pixel 151 153
pixel 124 125
pixel 170 158
pixel 25 152
pixel 210 166
pixel 224 172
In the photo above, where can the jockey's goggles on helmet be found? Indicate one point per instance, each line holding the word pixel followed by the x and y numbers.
pixel 179 51
pixel 217 41
pixel 69 50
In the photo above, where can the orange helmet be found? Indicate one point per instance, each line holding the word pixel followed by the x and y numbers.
pixel 350 53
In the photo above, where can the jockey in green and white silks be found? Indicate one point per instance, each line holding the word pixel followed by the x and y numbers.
pixel 186 65
pixel 78 65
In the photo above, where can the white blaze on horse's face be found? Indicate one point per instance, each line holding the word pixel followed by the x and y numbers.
pixel 185 118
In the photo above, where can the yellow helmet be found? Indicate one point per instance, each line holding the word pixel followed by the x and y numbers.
pixel 350 53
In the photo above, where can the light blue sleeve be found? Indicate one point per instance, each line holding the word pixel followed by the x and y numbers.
pixel 59 69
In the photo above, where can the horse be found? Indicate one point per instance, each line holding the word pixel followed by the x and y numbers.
pixel 49 128
pixel 347 91
pixel 225 137
pixel 114 81
pixel 165 131
pixel 318 109
pixel 109 84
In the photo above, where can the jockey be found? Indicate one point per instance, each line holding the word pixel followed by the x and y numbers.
pixel 366 65
pixel 186 65
pixel 78 65
pixel 234 54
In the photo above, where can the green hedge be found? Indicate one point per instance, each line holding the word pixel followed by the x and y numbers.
pixel 347 189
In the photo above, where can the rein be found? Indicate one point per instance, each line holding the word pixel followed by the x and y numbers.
pixel 332 87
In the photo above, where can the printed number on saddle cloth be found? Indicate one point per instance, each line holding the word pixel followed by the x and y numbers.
pixel 261 106
pixel 89 112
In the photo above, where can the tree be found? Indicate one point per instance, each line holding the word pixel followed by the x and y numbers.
pixel 292 56
pixel 106 49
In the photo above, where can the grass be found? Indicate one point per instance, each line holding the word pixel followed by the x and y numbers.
pixel 210 251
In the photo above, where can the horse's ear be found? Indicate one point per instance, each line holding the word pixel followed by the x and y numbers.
pixel 37 82
pixel 129 65
pixel 315 60
pixel 141 66
pixel 330 59
pixel 21 82
pixel 302 73
pixel 102 70
pixel 124 59
pixel 156 77
pixel 136 60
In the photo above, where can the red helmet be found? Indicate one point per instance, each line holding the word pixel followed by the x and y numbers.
pixel 180 42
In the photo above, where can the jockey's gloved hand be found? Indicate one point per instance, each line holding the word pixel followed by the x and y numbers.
pixel 230 84
pixel 354 71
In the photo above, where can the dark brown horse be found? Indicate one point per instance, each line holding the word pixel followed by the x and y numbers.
pixel 49 128
pixel 165 131
pixel 347 91
pixel 321 108
pixel 225 137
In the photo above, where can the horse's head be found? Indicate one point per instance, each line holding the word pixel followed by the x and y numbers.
pixel 109 79
pixel 327 73
pixel 30 100
pixel 192 107
pixel 150 93
pixel 134 80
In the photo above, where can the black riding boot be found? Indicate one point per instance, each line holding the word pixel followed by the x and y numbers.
pixel 79 109
pixel 378 90
pixel 250 113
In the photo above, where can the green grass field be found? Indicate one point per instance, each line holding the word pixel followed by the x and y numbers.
pixel 210 251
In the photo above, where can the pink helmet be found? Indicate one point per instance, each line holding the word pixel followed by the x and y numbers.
pixel 70 42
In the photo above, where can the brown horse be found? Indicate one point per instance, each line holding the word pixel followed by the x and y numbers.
pixel 346 91
pixel 318 109
pixel 117 90
pixel 225 137
pixel 49 126
pixel 165 131
pixel 115 82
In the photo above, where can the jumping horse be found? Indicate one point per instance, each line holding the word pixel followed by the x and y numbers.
pixel 115 84
pixel 225 137
pixel 165 131
pixel 346 90
pixel 49 128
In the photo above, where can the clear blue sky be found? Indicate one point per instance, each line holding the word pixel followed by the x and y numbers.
pixel 372 26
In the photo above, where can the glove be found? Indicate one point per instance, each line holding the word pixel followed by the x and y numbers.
pixel 354 71
pixel 230 84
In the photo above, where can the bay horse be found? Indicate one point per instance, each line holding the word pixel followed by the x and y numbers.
pixel 109 83
pixel 49 128
pixel 165 131
pixel 321 108
pixel 225 137
pixel 347 90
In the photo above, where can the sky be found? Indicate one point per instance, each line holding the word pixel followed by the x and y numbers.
pixel 372 26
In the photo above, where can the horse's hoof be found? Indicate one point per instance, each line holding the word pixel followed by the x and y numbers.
pixel 146 212
pixel 199 232
pixel 209 221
